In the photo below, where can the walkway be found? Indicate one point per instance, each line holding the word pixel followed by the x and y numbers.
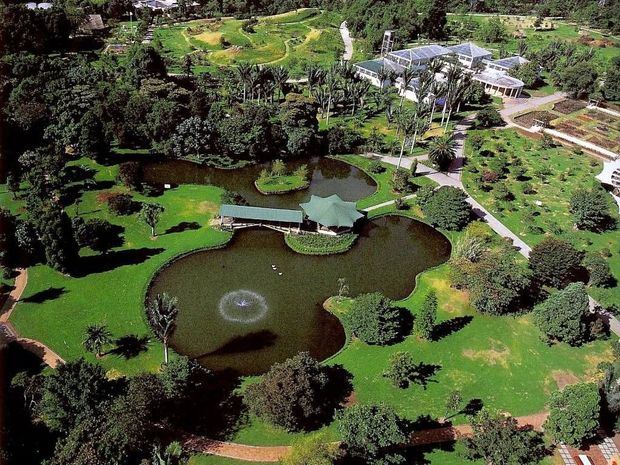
pixel 517 106
pixel 348 42
pixel 452 177
pixel 8 331
pixel 276 453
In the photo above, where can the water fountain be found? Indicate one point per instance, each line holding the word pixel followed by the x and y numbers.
pixel 242 306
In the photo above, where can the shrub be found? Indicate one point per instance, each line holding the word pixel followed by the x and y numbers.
pixel 122 204
pixel 342 140
pixel 574 414
pixel 555 262
pixel 589 208
pixel 130 174
pixel 476 140
pixel 401 370
pixel 447 208
pixel 563 316
pixel 598 271
pixel 400 180
pixel 375 167
pixel 401 204
pixel 489 117
pixel 233 198
pixel 427 316
pixel 368 430
pixel 373 319
pixel 295 394
pixel 424 194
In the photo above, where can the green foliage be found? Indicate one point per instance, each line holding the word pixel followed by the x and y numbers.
pixel 590 209
pixel 96 337
pixel 442 151
pixel 192 140
pixel 598 270
pixel 98 234
pixel 579 80
pixel 161 313
pixel 489 117
pixel 498 438
pixel 555 261
pixel 528 73
pixel 574 414
pixel 150 213
pixel 312 450
pixel 368 430
pixel 121 204
pixel 294 394
pixel 492 31
pixel 402 370
pixel 424 323
pixel 320 244
pixel 130 174
pixel 373 319
pixel 562 317
pixel 400 180
pixel 447 208
pixel 376 167
pixel 278 168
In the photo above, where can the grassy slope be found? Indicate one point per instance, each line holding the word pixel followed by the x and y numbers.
pixel 567 172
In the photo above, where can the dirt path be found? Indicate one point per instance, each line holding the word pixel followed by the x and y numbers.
pixel 8 331
pixel 276 453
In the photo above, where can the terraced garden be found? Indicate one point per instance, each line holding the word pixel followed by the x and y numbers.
pixel 292 39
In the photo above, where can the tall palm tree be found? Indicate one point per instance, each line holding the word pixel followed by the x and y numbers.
pixel 243 72
pixel 315 77
pixel 331 86
pixel 455 98
pixel 280 76
pixel 437 90
pixel 162 312
pixel 96 336
pixel 253 79
pixel 442 150
pixel 421 125
pixel 453 74
pixel 358 90
pixel 406 77
pixel 406 122
pixel 382 76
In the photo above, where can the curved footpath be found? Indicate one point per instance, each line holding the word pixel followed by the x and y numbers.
pixel 9 333
pixel 348 42
pixel 276 453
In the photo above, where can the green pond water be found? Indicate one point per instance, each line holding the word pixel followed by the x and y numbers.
pixel 256 302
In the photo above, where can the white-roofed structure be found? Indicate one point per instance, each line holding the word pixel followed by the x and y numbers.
pixel 610 176
pixel 470 55
pixel 505 64
pixel 500 84
pixel 418 56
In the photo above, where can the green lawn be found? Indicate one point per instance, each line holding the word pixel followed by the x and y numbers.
pixel 293 40
pixel 553 174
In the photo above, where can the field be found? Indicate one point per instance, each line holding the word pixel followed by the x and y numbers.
pixel 551 176
pixel 293 39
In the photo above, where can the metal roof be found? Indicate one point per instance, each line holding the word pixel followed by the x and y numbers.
pixel 261 213
pixel 510 62
pixel 423 53
pixel 499 79
pixel 331 211
pixel 611 173
pixel 375 65
pixel 471 50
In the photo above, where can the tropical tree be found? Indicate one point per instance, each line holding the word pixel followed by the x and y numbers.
pixel 150 214
pixel 162 312
pixel 406 78
pixel 442 151
pixel 96 336
pixel 331 86
pixel 280 76
pixel 244 71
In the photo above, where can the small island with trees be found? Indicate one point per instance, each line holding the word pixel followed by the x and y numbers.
pixel 277 180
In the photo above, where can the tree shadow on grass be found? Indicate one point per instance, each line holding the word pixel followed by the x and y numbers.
pixel 110 261
pixel 472 407
pixel 405 324
pixel 424 373
pixel 183 226
pixel 51 293
pixel 445 328
pixel 130 346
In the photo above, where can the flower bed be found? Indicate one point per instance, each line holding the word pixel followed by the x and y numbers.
pixel 569 106
pixel 320 244
pixel 527 120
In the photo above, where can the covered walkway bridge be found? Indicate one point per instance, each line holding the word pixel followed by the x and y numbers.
pixel 241 216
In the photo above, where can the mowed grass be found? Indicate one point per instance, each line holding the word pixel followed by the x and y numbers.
pixel 56 309
pixel 293 39
pixel 554 174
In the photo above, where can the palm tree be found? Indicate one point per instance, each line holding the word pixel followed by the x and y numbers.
pixel 253 79
pixel 382 76
pixel 406 77
pixel 421 125
pixel 96 336
pixel 162 312
pixel 455 98
pixel 442 150
pixel 406 122
pixel 280 76
pixel 453 76
pixel 315 77
pixel 331 86
pixel 243 72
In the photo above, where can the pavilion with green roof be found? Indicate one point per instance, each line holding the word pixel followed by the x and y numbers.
pixel 332 215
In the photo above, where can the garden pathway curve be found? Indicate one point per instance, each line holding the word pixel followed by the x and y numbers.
pixel 204 445
pixel 8 331
pixel 348 42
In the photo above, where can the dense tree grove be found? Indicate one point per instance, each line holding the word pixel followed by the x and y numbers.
pixel 374 320
pixel 447 208
pixel 555 262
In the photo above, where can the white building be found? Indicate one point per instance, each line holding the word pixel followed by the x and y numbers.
pixel 493 74
pixel 610 177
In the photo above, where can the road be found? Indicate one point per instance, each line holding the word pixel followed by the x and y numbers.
pixel 348 42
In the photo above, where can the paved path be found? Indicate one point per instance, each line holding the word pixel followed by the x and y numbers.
pixel 452 177
pixel 8 331
pixel 277 453
pixel 348 42
pixel 520 105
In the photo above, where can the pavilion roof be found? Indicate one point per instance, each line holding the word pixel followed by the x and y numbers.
pixel 331 211
pixel 261 213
